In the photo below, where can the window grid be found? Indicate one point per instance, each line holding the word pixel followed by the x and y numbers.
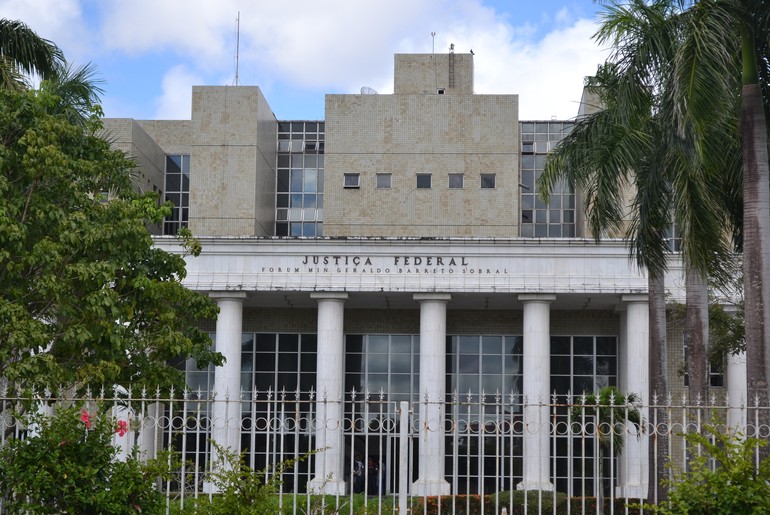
pixel 177 179
pixel 538 220
pixel 300 179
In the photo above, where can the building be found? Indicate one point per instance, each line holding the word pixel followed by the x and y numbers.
pixel 398 246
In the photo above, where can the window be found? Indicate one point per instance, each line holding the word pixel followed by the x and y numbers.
pixel 383 181
pixel 423 181
pixel 455 181
pixel 177 185
pixel 440 91
pixel 487 181
pixel 352 180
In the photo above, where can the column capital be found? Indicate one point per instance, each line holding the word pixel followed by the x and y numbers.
pixel 634 297
pixel 329 295
pixel 445 297
pixel 537 297
pixel 228 295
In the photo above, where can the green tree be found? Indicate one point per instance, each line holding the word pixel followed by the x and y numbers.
pixel 84 295
pixel 724 58
pixel 23 52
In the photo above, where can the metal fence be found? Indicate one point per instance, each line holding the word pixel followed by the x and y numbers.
pixel 594 450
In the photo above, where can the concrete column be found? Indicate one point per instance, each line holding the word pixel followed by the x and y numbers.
pixel 330 382
pixel 226 409
pixel 737 390
pixel 537 383
pixel 633 473
pixel 432 394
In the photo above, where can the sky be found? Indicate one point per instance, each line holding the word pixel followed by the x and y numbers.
pixel 150 53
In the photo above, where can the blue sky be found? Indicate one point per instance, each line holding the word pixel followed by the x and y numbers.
pixel 150 52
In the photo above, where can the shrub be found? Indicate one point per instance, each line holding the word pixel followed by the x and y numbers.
pixel 723 479
pixel 67 465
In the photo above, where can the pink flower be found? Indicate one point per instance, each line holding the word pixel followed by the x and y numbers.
pixel 121 427
pixel 85 418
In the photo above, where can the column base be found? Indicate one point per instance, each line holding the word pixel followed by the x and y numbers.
pixel 545 486
pixel 327 486
pixel 636 491
pixel 431 487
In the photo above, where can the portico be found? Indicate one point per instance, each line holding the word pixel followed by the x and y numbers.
pixel 340 277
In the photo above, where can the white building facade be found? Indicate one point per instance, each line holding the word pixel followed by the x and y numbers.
pixel 399 249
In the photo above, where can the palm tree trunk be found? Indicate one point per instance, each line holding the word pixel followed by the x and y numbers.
pixel 756 244
pixel 658 386
pixel 756 229
pixel 697 322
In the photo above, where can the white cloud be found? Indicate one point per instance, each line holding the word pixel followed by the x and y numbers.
pixel 175 102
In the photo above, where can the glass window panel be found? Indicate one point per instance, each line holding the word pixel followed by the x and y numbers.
pixel 284 126
pixel 311 184
pixel 455 180
pixel 174 198
pixel 526 216
pixel 568 231
pixel 606 366
pixel 513 364
pixel 514 345
pixel 560 365
pixel 296 201
pixel 583 385
pixel 583 365
pixel 541 231
pixel 400 383
pixel 282 200
pixel 282 215
pixel 528 162
pixel 468 363
pixel 606 345
pixel 309 201
pixel 528 181
pixel 540 216
pixel 284 145
pixel 311 161
pixel 295 215
pixel 377 343
pixel 469 345
pixel 311 126
pixel 527 231
pixel 401 343
pixel 185 183
pixel 283 161
pixel 173 181
pixel 554 216
pixel 288 362
pixel 295 229
pixel 540 162
pixel 384 180
pixel 539 204
pixel 283 180
pixel 296 180
pixel 488 180
pixel 560 384
pixel 569 216
pixel 583 345
pixel 281 229
pixel 308 229
pixel 174 163
pixel 308 215
pixel 185 200
pixel 554 231
pixel 423 180
pixel 401 363
pixel 467 383
pixel 297 126
pixel 527 127
pixel 297 161
pixel 491 364
pixel 541 127
pixel 491 344
pixel 561 345
pixel 319 226
pixel 320 181
pixel 554 202
pixel 377 382
pixel 354 343
pixel 319 200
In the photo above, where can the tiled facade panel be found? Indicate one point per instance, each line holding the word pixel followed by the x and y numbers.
pixel 418 74
pixel 406 135
pixel 233 164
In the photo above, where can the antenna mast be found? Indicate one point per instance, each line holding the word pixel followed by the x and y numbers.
pixel 237 44
pixel 433 58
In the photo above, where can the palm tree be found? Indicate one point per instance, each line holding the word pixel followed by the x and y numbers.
pixel 23 53
pixel 637 141
pixel 724 58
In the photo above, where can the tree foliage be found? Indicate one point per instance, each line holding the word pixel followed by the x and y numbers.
pixel 84 295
